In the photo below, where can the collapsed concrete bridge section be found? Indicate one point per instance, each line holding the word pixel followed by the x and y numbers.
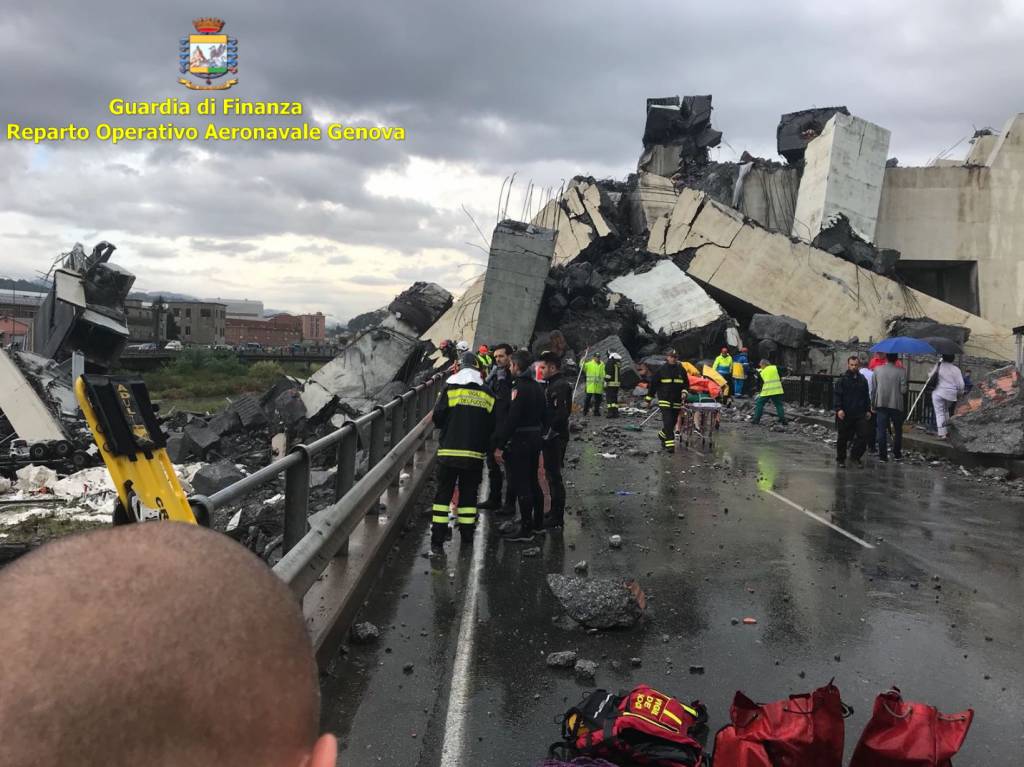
pixel 735 258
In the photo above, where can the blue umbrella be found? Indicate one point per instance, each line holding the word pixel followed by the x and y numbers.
pixel 903 345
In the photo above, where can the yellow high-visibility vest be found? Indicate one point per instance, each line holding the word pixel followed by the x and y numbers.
pixel 594 372
pixel 771 384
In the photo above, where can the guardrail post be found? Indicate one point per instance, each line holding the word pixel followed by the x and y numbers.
pixel 296 499
pixel 397 431
pixel 345 477
pixel 376 451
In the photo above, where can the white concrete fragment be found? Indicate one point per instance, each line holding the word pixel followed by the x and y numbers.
pixel 843 172
pixel 654 197
pixel 688 204
pixel 33 478
pixel 670 300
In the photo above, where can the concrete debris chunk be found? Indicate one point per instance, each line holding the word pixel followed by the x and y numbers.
pixel 365 632
pixel 585 669
pixel 215 476
pixel 32 478
pixel 677 133
pixel 599 603
pixel 563 659
pixel 200 439
pixel 783 330
pixel 843 172
pixel 289 409
pixel 227 421
pixel 670 300
pixel 796 129
pixel 517 269
pixel 925 327
pixel 653 196
pixel 421 305
pixel 178 448
pixel 249 411
pixel 990 420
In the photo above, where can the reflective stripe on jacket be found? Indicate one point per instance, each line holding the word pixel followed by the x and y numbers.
pixel 465 415
pixel 723 364
pixel 611 374
pixel 771 383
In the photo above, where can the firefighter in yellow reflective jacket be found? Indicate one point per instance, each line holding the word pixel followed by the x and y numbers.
pixel 671 385
pixel 612 372
pixel 465 415
pixel 593 372
pixel 771 390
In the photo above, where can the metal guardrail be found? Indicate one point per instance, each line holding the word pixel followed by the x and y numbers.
pixel 818 390
pixel 393 436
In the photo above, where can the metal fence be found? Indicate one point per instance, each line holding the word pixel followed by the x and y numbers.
pixel 818 390
pixel 396 438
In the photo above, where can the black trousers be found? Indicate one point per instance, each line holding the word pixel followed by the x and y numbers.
pixel 468 481
pixel 852 430
pixel 554 461
pixel 523 459
pixel 611 393
pixel 495 480
pixel 667 435
pixel 592 398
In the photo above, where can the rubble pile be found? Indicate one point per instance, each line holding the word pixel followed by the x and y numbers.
pixel 990 419
pixel 797 129
pixel 677 135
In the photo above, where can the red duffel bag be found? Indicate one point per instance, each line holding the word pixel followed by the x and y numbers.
pixel 799 731
pixel 910 734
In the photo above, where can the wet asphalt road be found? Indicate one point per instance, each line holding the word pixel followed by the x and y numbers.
pixel 934 608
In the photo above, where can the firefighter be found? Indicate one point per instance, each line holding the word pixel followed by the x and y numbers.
pixel 558 393
pixel 593 371
pixel 671 386
pixel 465 415
pixel 520 442
pixel 483 355
pixel 499 381
pixel 612 370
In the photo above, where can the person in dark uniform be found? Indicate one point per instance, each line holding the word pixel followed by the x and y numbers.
pixel 519 440
pixel 558 393
pixel 465 415
pixel 670 388
pixel 499 381
pixel 612 372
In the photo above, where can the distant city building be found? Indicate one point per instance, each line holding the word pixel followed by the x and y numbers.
pixel 242 308
pixel 314 327
pixel 281 330
pixel 14 331
pixel 20 304
pixel 147 323
pixel 199 322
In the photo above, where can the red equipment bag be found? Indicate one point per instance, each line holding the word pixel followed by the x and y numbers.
pixel 642 727
pixel 799 731
pixel 910 734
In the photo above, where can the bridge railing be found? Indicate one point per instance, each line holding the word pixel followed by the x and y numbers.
pixel 397 440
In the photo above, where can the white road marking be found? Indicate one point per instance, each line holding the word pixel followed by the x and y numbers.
pixel 458 697
pixel 818 518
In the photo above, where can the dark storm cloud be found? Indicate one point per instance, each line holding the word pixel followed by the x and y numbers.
pixel 546 89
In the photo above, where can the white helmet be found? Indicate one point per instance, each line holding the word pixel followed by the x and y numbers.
pixel 462 346
pixel 614 356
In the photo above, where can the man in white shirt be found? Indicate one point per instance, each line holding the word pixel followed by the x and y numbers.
pixel 949 385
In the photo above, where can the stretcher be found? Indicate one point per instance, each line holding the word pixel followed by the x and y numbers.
pixel 698 418
pixel 123 423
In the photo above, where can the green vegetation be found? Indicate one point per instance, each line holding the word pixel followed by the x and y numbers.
pixel 42 527
pixel 200 379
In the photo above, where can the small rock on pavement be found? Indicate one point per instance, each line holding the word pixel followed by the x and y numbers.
pixel 615 541
pixel 215 476
pixel 364 632
pixel 581 567
pixel 408 668
pixel 533 551
pixel 563 659
pixel 635 662
pixel 585 669
pixel 599 603
pixel 696 669
pixel 996 472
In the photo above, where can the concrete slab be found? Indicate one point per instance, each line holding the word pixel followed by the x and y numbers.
pixel 843 172
pixel 518 265
pixel 671 301
pixel 835 298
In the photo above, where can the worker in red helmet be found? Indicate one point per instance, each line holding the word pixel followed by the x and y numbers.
pixel 723 366
pixel 740 369
pixel 484 360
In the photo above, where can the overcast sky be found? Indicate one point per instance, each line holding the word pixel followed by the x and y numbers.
pixel 483 89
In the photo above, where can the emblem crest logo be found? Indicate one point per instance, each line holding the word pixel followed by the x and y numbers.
pixel 209 56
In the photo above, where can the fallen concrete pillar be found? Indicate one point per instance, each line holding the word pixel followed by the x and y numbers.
pixel 990 419
pixel 835 298
pixel 843 172
pixel 421 305
pixel 669 299
pixel 513 287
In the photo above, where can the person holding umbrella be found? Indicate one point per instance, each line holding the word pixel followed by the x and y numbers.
pixel 889 390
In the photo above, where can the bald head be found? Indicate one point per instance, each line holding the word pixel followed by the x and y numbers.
pixel 153 644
